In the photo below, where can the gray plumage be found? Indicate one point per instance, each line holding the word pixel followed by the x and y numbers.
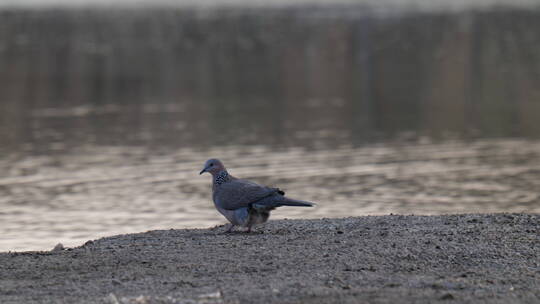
pixel 242 202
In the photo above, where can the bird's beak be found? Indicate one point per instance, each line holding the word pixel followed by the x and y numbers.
pixel 202 171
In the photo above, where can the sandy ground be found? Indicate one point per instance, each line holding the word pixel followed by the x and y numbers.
pixel 376 259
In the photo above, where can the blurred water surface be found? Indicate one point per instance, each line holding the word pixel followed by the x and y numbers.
pixel 99 191
pixel 108 115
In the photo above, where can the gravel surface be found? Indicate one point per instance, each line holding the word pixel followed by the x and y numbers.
pixel 472 258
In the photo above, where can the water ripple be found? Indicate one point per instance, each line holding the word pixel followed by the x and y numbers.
pixel 98 191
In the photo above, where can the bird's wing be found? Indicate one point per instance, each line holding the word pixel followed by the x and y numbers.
pixel 240 193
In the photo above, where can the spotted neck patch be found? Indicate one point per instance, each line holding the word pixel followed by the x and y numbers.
pixel 221 177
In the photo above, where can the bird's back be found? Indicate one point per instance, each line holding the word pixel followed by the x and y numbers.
pixel 237 193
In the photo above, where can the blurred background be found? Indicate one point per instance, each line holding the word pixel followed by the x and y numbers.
pixel 108 112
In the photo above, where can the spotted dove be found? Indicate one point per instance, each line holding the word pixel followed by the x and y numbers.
pixel 242 202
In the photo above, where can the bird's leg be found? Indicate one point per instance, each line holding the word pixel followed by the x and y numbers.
pixel 249 229
pixel 230 229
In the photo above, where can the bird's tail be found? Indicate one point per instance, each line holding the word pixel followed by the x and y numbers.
pixel 296 203
pixel 273 202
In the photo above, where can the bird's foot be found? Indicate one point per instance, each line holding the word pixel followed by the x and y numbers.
pixel 249 231
pixel 229 230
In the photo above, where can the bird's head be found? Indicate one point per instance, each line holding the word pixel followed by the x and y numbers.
pixel 213 166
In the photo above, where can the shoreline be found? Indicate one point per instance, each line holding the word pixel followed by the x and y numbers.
pixel 467 258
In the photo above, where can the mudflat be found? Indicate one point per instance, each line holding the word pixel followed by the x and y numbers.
pixel 474 258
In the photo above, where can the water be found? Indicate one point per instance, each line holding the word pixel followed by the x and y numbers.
pixel 107 116
pixel 99 191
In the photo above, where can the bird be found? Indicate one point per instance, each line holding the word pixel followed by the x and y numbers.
pixel 242 202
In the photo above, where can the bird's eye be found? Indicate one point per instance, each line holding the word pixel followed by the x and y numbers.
pixel 210 165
